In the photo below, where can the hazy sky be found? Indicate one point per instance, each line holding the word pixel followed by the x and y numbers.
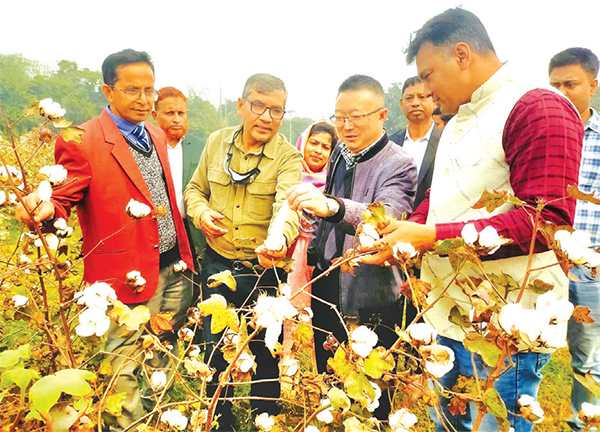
pixel 213 46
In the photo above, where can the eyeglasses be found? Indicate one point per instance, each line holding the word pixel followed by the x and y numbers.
pixel 236 177
pixel 260 108
pixel 134 93
pixel 354 119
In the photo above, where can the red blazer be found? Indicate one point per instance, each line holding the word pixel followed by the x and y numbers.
pixel 102 177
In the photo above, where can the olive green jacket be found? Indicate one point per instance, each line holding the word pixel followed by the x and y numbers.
pixel 192 148
pixel 248 208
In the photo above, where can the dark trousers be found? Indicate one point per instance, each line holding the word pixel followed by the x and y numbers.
pixel 382 320
pixel 245 295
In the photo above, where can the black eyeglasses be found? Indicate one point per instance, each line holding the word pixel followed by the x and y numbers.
pixel 259 108
pixel 354 119
pixel 236 177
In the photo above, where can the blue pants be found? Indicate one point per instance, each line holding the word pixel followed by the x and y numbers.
pixel 523 379
pixel 584 339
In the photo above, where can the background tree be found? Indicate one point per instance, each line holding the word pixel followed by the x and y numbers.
pixel 396 119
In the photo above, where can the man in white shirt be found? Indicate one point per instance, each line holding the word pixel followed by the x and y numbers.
pixel 421 137
pixel 171 114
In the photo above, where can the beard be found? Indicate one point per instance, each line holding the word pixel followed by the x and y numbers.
pixel 176 133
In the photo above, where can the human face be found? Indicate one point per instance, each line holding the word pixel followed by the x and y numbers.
pixel 359 134
pixel 131 76
pixel 442 70
pixel 260 129
pixel 437 119
pixel 317 150
pixel 416 104
pixel 576 84
pixel 172 117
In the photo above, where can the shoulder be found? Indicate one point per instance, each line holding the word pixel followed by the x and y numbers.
pixel 194 140
pixel 393 154
pixel 284 147
pixel 543 101
pixel 398 136
pixel 221 136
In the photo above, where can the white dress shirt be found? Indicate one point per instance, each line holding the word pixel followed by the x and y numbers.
pixel 176 163
pixel 417 148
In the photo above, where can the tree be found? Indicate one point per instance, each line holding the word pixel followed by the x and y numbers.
pixel 396 119
pixel 292 128
pixel 203 117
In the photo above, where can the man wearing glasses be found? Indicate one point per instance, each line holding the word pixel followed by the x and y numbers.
pixel 234 195
pixel 122 158
pixel 365 168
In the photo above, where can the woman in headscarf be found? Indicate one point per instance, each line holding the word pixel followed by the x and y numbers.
pixel 315 144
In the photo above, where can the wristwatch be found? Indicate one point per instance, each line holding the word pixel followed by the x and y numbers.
pixel 332 207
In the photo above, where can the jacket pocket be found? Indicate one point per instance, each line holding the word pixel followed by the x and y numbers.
pixel 219 189
pixel 260 199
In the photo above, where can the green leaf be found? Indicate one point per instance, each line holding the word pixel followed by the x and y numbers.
pixel 358 387
pixel 376 365
pixel 286 264
pixel 538 286
pixel 9 358
pixel 340 364
pixel 25 351
pixel 589 383
pixel 220 320
pixel 459 319
pixel 444 247
pixel 73 134
pixel 114 403
pixel 494 404
pixel 19 376
pixel 488 350
pixel 61 123
pixel 338 399
pixel 45 393
pixel 375 213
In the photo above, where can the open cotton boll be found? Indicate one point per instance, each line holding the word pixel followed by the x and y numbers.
pixel 276 240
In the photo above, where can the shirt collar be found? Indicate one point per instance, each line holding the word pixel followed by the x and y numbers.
pixel 353 159
pixel 594 122
pixel 491 85
pixel 124 126
pixel 427 136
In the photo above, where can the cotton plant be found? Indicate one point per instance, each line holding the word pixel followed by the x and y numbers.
pixel 270 313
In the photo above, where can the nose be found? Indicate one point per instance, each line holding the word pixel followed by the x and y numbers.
pixel 176 118
pixel 266 116
pixel 348 124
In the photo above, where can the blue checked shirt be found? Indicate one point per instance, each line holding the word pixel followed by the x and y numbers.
pixel 587 215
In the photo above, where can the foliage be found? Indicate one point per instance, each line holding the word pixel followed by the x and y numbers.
pixel 396 119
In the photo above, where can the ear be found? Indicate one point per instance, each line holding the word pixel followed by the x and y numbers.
pixel 108 92
pixel 593 87
pixel 463 55
pixel 240 105
pixel 383 114
pixel 154 115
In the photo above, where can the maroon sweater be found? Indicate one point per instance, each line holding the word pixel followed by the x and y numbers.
pixel 542 141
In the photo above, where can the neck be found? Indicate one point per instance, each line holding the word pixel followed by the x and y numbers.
pixel 418 130
pixel 586 115
pixel 172 141
pixel 483 69
pixel 248 144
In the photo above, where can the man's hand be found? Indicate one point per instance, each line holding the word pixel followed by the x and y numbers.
pixel 41 210
pixel 268 258
pixel 305 196
pixel 422 237
pixel 208 225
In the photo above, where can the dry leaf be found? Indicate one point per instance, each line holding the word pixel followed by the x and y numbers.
pixel 161 322
pixel 581 314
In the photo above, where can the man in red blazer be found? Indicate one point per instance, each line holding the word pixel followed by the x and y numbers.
pixel 123 158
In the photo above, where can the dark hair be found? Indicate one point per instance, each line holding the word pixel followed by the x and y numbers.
pixel 572 56
pixel 410 82
pixel 263 83
pixel 362 82
pixel 167 92
pixel 112 63
pixel 324 127
pixel 449 28
pixel 444 117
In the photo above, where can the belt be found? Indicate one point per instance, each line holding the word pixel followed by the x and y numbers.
pixel 237 265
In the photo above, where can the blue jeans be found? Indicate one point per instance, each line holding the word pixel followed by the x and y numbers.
pixel 584 339
pixel 523 379
pixel 173 294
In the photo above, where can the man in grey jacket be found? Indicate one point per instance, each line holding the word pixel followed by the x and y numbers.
pixel 364 168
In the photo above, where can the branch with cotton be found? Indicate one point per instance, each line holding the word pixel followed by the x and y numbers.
pixel 269 313
pixel 51 109
pixel 276 240
pixel 577 246
pixel 485 242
